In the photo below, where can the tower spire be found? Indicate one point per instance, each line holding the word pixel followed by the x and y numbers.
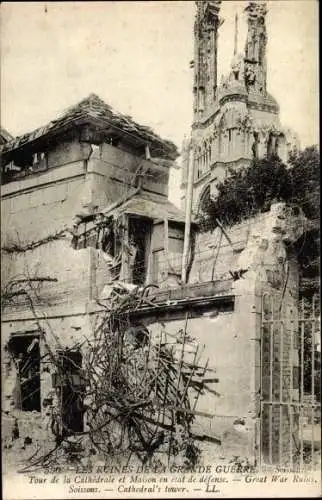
pixel 255 50
pixel 207 23
pixel 256 34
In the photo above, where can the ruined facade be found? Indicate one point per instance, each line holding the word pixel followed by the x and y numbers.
pixel 236 119
pixel 85 208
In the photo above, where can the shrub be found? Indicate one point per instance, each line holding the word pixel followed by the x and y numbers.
pixel 251 190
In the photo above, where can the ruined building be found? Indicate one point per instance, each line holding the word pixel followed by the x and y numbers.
pixel 58 184
pixel 85 206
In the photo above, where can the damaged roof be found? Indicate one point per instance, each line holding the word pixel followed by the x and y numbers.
pixel 5 136
pixel 149 205
pixel 94 111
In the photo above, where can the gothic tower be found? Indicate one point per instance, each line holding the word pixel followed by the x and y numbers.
pixel 237 120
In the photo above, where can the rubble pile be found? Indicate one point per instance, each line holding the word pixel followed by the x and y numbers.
pixel 138 391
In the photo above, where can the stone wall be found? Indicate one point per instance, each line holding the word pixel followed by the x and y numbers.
pixel 226 341
pixel 112 172
pixel 262 237
pixel 40 208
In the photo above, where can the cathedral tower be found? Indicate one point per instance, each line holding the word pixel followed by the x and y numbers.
pixel 237 120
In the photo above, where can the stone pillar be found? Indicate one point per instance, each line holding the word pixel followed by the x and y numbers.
pixel 216 148
pixel 247 316
pixel 262 145
pixel 271 285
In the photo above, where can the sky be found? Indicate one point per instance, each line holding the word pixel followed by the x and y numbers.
pixel 135 56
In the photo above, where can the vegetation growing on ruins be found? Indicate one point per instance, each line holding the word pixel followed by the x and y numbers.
pixel 251 190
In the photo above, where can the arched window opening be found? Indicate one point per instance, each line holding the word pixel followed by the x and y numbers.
pixel 277 144
pixel 205 159
pixel 255 145
pixel 272 145
pixel 231 140
pixel 205 200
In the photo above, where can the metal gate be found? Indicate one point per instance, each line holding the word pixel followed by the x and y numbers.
pixel 290 408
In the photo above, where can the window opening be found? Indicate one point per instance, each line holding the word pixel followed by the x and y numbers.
pixel 26 356
pixel 139 237
pixel 204 200
pixel 70 385
pixel 110 242
pixel 255 144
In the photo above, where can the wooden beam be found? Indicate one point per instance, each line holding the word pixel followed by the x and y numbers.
pixel 165 266
pixel 125 270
